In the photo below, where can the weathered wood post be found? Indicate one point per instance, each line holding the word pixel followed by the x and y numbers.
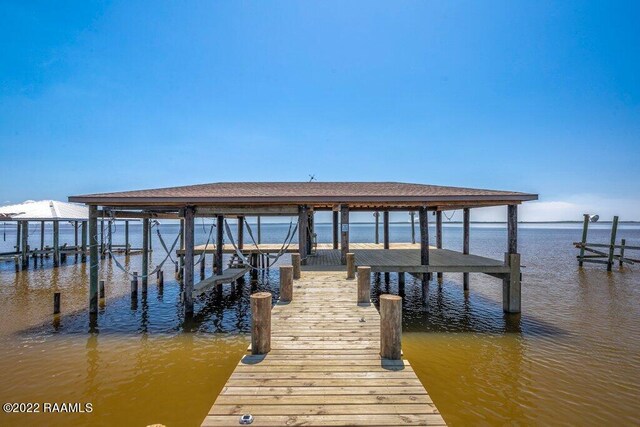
pixel 376 215
pixel 310 229
pixel 260 323
pixel 24 247
pixel 145 251
pixel 413 226
pixel 101 293
pixel 127 248
pixel 93 259
pixel 385 229
pixel 390 327
pixel 351 265
pixel 18 236
pixel 466 214
pixel 511 286
pixel 614 231
pixel 303 230
pixel 335 228
pixel 56 303
pixel 75 239
pixel 42 224
pixel 134 288
pixel 344 233
pixel 56 243
pixel 160 278
pixel 364 285
pixel 240 239
pixel 438 237
pixel 623 243
pixel 189 222
pixel 259 230
pixel 102 237
pixel 295 261
pixel 424 242
pixel 181 258
pixel 512 225
pixel 585 228
pixel 286 283
pixel 83 257
pixel 219 244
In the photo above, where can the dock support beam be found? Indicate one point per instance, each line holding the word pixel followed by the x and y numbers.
pixel 93 259
pixel 84 241
pixel 385 232
pixel 376 214
pixel 438 235
pixel 424 241
pixel 259 230
pixel 466 220
pixel 512 228
pixel 126 238
pixel 189 214
pixel 24 246
pixel 240 233
pixel 511 286
pixel 412 214
pixel 585 228
pixel 303 225
pixel 42 236
pixel 344 233
pixel 335 229
pixel 219 243
pixel 145 250
pixel 56 243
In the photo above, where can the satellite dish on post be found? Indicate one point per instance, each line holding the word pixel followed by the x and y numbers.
pixel 594 218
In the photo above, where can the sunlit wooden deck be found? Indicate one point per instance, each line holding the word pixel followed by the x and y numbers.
pixel 324 367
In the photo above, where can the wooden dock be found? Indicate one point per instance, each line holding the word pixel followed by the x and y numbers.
pixel 324 367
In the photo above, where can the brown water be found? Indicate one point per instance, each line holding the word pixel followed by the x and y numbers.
pixel 573 357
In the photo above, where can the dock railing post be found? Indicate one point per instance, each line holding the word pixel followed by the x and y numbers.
pixel 614 231
pixel 351 265
pixel 390 327
pixel 295 261
pixel 286 283
pixel 364 285
pixel 260 323
pixel 623 243
pixel 585 229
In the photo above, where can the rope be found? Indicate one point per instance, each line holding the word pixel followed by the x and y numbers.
pixel 281 248
pixel 449 217
pixel 206 245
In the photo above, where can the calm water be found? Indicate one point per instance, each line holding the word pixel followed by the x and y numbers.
pixel 573 357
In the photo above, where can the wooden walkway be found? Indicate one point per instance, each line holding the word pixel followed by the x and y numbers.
pixel 324 368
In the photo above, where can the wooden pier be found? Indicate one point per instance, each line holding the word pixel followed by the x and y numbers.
pixel 324 367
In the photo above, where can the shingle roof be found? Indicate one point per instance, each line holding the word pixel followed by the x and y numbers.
pixel 297 192
pixel 44 210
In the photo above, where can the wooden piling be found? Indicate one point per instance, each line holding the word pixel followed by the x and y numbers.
pixel 401 278
pixel 145 251
pixel 127 247
pixel 41 237
pixel 390 327
pixel 18 235
pixel 56 303
pixel 93 259
pixel 351 265
pixel 189 223
pixel 344 233
pixel 260 323
pixel 412 214
pixel 303 225
pixel 614 231
pixel 439 237
pixel 202 266
pixel 24 247
pixel 364 285
pixel 83 257
pixel 75 238
pixel 219 244
pixel 101 289
pixel 160 278
pixel 134 289
pixel 286 283
pixel 424 241
pixel 102 237
pixel 56 243
pixel 512 228
pixel 511 285
pixel 385 229
pixel 466 220
pixel 623 243
pixel 376 215
pixel 295 261
pixel 259 230
pixel 240 239
pixel 585 228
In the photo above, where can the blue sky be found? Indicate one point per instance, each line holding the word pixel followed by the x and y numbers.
pixel 531 96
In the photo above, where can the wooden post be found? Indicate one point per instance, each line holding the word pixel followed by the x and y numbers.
pixel 585 228
pixel 160 278
pixel 614 231
pixel 466 220
pixel 151 237
pixel 376 215
pixel 344 233
pixel 351 265
pixel 102 237
pixel 335 229
pixel 390 327
pixel 101 289
pixel 219 244
pixel 512 228
pixel 438 236
pixel 189 214
pixel 127 249
pixel 56 243
pixel 401 278
pixel 240 239
pixel 413 226
pixel 18 235
pixel 310 230
pixel 202 266
pixel 364 285
pixel 84 241
pixel 623 243
pixel 145 251
pixel 75 238
pixel 260 323
pixel 385 229
pixel 259 230
pixel 424 241
pixel 295 261
pixel 286 283
pixel 42 224
pixel 24 247
pixel 134 289
pixel 56 303
pixel 511 286
pixel 303 225
pixel 181 258
pixel 93 259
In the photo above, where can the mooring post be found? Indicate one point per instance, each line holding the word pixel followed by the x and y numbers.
pixel 101 289
pixel 385 229
pixel 295 261
pixel 56 243
pixel 438 237
pixel 219 244
pixel 424 243
pixel 56 303
pixel 24 247
pixel 286 283
pixel 364 285
pixel 614 231
pixel 623 243
pixel 335 233
pixel 344 233
pixel 189 225
pixel 390 327
pixel 83 257
pixel 511 286
pixel 585 228
pixel 466 220
pixel 93 259
pixel 351 265
pixel 260 323
pixel 303 225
